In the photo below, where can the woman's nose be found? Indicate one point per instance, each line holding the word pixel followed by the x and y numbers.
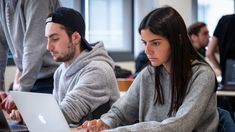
pixel 148 49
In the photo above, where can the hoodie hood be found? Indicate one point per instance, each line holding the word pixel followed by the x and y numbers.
pixel 98 53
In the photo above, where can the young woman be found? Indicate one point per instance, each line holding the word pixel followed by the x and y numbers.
pixel 175 93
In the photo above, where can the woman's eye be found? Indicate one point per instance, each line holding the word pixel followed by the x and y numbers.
pixel 156 43
pixel 143 42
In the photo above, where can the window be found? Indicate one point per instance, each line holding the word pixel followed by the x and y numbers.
pixel 110 21
pixel 210 11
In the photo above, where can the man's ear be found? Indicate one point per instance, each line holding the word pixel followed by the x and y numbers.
pixel 76 38
pixel 194 37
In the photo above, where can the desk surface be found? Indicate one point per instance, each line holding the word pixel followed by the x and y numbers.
pixel 124 84
pixel 225 93
pixel 218 93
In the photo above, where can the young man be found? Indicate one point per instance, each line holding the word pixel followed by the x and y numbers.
pixel 199 35
pixel 85 85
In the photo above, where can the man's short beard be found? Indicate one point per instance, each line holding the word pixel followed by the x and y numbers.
pixel 70 55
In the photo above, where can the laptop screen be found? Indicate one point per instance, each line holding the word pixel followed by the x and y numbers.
pixel 230 72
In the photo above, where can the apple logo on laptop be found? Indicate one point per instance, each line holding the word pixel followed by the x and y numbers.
pixel 41 118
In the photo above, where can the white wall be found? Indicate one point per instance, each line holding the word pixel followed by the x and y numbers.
pixel 184 7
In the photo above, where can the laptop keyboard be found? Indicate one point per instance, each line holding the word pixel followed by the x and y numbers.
pixel 15 127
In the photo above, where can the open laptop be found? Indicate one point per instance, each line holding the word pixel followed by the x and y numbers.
pixel 229 79
pixel 40 112
pixel 230 72
pixel 10 126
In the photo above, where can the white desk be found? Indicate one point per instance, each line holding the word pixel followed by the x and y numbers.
pixel 229 91
pixel 225 93
pixel 218 93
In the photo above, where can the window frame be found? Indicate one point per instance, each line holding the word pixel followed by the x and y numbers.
pixel 119 55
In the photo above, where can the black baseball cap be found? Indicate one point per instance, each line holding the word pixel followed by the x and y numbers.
pixel 72 19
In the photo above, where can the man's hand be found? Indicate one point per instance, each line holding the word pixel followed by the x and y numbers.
pixel 16 83
pixel 8 104
pixel 217 71
pixel 16 86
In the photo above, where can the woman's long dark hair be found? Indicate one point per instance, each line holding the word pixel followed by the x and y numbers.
pixel 168 23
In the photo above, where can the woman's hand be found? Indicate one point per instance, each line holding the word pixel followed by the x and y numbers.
pixel 94 125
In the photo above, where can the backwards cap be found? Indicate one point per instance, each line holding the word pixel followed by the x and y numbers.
pixel 72 19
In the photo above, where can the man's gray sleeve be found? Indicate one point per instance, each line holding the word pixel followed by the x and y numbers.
pixel 3 58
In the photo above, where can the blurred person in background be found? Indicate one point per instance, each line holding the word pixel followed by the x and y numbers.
pixel 224 38
pixel 199 35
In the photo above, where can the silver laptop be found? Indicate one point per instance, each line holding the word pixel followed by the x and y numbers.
pixel 40 112
pixel 10 126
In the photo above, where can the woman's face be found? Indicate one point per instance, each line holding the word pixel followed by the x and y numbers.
pixel 157 48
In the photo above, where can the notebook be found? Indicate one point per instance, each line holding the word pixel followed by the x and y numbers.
pixel 40 112
pixel 10 126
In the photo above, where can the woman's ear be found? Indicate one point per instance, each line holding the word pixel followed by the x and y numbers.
pixel 76 38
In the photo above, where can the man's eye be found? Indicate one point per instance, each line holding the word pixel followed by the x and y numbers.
pixel 55 39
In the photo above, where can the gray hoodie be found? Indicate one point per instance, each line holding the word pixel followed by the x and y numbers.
pixel 86 84
pixel 198 112
pixel 22 29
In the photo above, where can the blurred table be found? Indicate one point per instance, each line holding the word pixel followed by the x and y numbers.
pixel 124 84
pixel 225 93
pixel 226 90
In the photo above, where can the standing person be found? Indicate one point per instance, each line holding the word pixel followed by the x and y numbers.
pixel 21 28
pixel 175 93
pixel 224 37
pixel 85 85
pixel 199 35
